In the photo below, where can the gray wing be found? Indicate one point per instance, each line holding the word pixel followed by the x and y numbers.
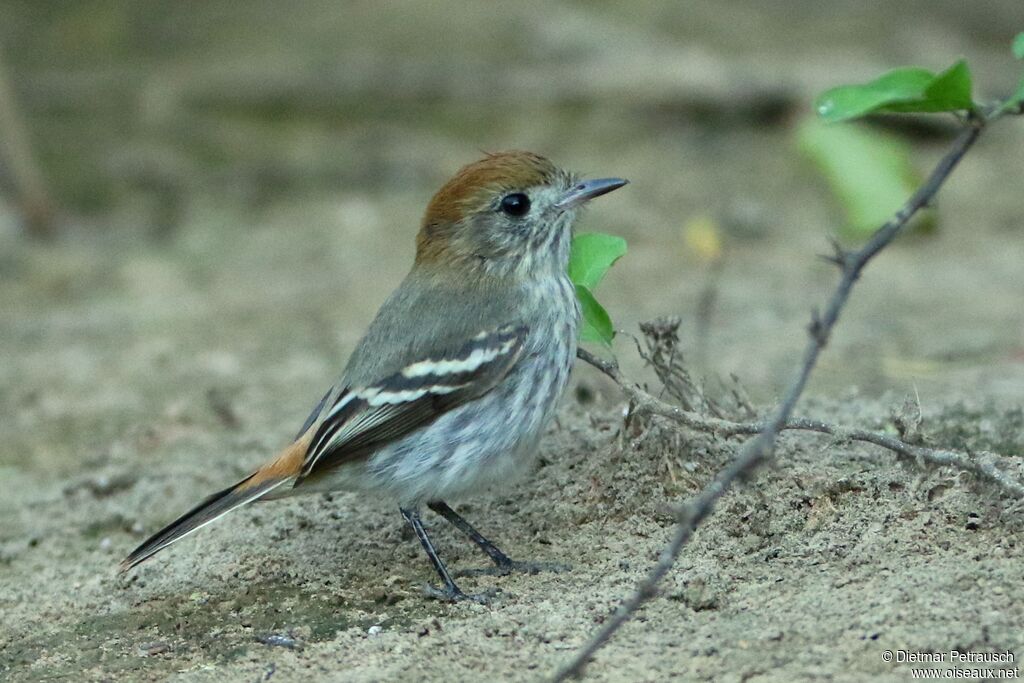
pixel 429 316
pixel 365 418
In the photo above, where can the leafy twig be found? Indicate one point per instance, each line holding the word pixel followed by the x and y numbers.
pixel 758 449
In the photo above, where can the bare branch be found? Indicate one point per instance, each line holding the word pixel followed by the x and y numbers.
pixel 839 256
pixel 757 450
pixel 609 368
pixel 30 189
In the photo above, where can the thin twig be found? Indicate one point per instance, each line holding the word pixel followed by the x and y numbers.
pixel 30 189
pixel 979 463
pixel 757 450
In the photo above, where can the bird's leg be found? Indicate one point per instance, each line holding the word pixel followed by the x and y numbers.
pixel 494 552
pixel 502 562
pixel 451 590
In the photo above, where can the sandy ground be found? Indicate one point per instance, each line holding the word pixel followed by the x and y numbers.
pixel 140 373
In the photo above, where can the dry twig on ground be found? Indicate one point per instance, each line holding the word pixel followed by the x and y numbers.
pixel 979 463
pixel 758 449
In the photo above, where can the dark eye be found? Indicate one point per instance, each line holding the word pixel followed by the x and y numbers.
pixel 517 204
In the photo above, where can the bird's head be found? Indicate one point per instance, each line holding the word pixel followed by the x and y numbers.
pixel 510 212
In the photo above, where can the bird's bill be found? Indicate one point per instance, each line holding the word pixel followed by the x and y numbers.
pixel 587 190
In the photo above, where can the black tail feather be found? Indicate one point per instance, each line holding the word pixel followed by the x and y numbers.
pixel 215 506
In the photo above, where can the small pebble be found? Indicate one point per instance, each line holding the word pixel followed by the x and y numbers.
pixel 154 648
pixel 278 640
pixel 374 630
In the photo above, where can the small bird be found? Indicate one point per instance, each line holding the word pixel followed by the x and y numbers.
pixel 453 383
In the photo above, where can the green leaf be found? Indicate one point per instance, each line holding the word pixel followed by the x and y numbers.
pixel 1018 95
pixel 597 325
pixel 593 253
pixel 908 89
pixel 849 101
pixel 950 91
pixel 1016 98
pixel 591 256
pixel 868 171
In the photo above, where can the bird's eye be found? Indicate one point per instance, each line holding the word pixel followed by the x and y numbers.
pixel 516 204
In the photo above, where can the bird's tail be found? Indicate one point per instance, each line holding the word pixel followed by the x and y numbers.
pixel 255 486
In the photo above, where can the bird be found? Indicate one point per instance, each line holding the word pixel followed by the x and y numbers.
pixel 457 376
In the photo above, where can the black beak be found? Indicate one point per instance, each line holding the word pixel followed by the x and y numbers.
pixel 587 190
